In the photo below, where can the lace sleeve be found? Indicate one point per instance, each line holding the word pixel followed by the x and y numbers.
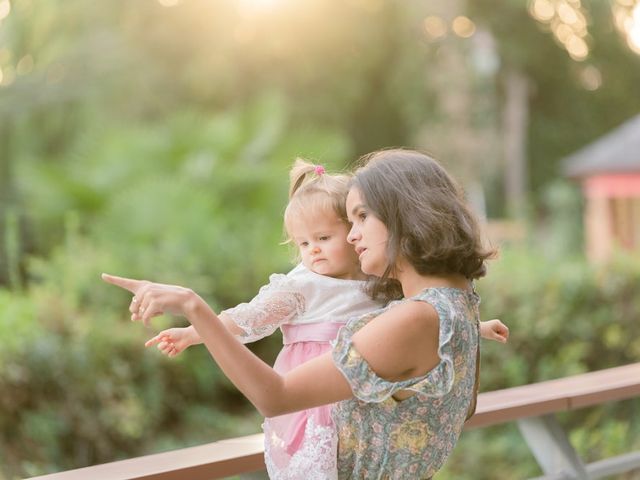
pixel 276 303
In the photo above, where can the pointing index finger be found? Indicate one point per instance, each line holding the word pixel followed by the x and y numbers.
pixel 126 283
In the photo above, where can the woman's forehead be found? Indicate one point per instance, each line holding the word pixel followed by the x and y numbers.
pixel 354 199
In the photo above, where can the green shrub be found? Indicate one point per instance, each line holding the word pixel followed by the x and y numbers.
pixel 565 317
pixel 193 201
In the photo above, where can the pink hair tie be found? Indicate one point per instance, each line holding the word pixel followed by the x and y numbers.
pixel 319 169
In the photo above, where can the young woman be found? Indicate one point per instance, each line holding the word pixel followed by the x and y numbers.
pixel 405 375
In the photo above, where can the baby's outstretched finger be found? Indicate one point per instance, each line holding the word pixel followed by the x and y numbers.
pixel 153 341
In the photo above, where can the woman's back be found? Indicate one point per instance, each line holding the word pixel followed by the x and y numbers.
pixel 381 437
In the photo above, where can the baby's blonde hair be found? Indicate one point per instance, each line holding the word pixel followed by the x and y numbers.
pixel 312 191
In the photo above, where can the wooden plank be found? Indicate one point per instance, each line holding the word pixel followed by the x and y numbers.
pixel 204 462
pixel 558 395
pixel 510 404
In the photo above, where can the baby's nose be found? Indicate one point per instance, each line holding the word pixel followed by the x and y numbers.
pixel 315 250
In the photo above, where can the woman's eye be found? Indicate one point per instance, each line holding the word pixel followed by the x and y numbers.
pixel 362 215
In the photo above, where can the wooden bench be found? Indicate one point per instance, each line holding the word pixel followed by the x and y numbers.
pixel 532 406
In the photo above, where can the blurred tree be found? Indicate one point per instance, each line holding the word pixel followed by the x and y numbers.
pixel 571 99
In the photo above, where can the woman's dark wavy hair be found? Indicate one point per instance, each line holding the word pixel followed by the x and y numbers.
pixel 424 210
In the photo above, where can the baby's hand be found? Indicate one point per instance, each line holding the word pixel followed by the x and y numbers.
pixel 172 341
pixel 494 330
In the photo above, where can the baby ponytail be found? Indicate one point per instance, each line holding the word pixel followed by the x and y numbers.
pixel 300 171
pixel 313 190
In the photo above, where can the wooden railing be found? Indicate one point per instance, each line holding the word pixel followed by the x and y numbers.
pixel 533 407
pixel 221 459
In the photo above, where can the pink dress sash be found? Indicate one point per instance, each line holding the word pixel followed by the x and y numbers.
pixel 311 332
pixel 286 433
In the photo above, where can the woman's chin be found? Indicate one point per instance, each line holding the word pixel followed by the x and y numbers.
pixel 370 270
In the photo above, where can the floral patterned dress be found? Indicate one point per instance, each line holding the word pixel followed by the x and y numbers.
pixel 383 438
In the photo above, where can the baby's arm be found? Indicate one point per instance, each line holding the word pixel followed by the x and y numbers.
pixel 494 330
pixel 274 304
pixel 174 341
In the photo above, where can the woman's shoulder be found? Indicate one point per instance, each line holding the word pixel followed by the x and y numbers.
pixel 403 326
pixel 410 315
pixel 431 307
pixel 446 297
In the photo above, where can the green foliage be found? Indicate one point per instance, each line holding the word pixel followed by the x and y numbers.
pixel 565 317
pixel 81 389
pixel 195 200
pixel 187 194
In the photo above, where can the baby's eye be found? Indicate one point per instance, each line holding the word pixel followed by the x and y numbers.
pixel 324 238
pixel 304 244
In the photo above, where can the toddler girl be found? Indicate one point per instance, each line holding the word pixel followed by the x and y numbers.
pixel 309 304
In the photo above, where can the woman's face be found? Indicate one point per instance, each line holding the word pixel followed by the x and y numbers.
pixel 368 235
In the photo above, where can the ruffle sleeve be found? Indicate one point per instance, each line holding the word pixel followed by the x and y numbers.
pixel 369 387
pixel 276 303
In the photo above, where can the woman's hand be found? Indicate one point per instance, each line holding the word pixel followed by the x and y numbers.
pixel 494 330
pixel 153 299
pixel 174 341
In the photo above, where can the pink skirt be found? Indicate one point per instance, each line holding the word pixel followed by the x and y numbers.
pixel 302 444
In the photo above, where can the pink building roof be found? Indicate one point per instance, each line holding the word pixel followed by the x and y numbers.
pixel 616 152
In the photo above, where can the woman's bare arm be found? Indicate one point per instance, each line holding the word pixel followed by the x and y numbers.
pixel 398 344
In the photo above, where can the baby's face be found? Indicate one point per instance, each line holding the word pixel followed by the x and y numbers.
pixel 322 242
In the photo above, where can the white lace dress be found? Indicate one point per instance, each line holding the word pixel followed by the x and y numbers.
pixel 310 309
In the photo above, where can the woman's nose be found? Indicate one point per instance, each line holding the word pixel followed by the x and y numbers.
pixel 353 235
